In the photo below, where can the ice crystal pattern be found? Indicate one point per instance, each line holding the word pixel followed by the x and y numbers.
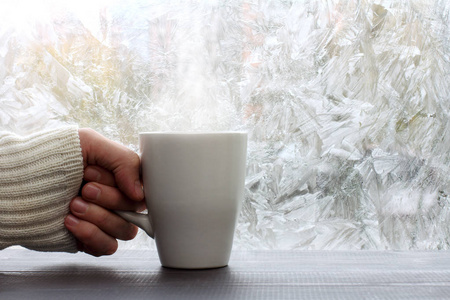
pixel 346 102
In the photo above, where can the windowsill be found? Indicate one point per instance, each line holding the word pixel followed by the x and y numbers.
pixel 135 274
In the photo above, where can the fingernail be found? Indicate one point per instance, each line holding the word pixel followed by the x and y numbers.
pixel 91 192
pixel 79 206
pixel 92 174
pixel 72 221
pixel 138 190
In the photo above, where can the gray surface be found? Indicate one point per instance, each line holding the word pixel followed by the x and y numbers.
pixel 250 275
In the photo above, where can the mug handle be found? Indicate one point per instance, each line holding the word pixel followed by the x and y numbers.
pixel 140 220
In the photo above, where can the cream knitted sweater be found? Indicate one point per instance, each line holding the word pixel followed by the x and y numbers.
pixel 39 175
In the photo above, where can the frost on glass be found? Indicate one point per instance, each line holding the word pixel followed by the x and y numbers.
pixel 346 102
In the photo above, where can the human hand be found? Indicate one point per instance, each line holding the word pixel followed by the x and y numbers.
pixel 112 174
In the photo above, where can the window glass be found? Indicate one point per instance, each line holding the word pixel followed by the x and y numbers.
pixel 346 102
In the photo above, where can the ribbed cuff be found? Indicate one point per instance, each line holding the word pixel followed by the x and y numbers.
pixel 39 175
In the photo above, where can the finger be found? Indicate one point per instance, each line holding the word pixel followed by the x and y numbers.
pixel 121 161
pixel 93 240
pixel 109 197
pixel 107 221
pixel 100 175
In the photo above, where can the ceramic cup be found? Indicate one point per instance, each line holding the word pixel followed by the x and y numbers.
pixel 194 187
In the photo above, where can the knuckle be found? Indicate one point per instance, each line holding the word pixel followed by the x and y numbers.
pixel 103 219
pixel 87 234
pixel 135 160
pixel 87 131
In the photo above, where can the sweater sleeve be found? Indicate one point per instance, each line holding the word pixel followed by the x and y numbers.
pixel 39 175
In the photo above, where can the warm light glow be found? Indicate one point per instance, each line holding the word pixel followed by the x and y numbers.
pixel 21 15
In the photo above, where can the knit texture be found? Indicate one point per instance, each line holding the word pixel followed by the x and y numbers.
pixel 39 175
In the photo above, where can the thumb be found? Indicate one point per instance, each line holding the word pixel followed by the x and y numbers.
pixel 114 157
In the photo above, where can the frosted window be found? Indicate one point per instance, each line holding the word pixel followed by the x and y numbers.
pixel 346 102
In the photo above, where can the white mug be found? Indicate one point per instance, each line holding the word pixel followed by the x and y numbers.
pixel 194 187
